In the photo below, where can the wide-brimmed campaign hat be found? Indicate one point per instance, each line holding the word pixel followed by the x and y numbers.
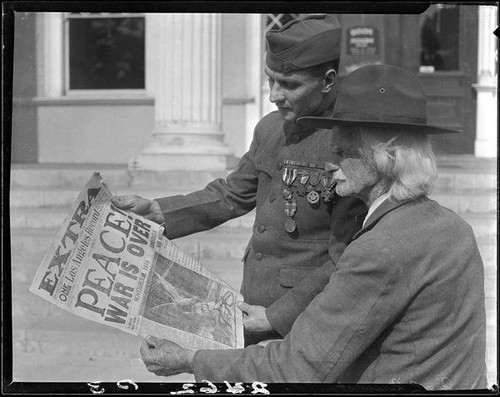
pixel 304 43
pixel 383 95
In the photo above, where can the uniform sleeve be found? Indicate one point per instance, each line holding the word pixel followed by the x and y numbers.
pixel 347 218
pixel 220 201
pixel 365 294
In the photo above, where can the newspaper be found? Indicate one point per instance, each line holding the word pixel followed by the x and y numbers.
pixel 116 268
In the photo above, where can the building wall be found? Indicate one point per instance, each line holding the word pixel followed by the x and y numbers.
pixel 95 130
pixel 93 134
pixel 25 138
pixel 234 90
pixel 71 130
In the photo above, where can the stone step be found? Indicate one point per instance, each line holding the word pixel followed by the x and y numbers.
pixel 48 209
pixel 483 225
pixel 457 182
pixel 468 202
pixel 223 242
pixel 221 256
pixel 24 265
pixel 30 239
pixel 456 174
pixel 52 218
pixel 63 198
pixel 75 176
pixel 50 176
pixel 214 247
pixel 484 201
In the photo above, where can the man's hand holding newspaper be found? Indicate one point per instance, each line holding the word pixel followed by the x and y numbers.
pixel 149 209
pixel 115 267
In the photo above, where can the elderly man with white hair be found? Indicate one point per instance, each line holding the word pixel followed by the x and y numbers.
pixel 405 303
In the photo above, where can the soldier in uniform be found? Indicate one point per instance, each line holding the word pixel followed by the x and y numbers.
pixel 301 226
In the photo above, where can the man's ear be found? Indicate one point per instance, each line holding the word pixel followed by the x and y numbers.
pixel 330 80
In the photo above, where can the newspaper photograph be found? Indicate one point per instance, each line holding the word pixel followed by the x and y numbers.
pixel 116 268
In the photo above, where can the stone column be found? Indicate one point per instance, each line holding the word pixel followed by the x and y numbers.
pixel 183 73
pixel 50 60
pixel 486 124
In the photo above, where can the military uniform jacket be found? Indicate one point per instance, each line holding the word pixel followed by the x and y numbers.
pixel 282 271
pixel 405 304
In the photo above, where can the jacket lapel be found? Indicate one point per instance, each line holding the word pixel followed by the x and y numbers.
pixel 384 208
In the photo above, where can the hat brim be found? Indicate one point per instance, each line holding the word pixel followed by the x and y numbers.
pixel 327 123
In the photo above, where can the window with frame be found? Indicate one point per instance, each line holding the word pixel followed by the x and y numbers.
pixel 439 38
pixel 104 52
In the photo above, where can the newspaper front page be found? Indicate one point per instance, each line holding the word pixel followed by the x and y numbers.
pixel 116 268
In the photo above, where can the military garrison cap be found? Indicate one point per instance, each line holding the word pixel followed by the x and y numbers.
pixel 303 43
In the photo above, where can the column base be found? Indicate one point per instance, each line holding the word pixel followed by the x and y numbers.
pixel 486 124
pixel 180 182
pixel 180 171
pixel 485 149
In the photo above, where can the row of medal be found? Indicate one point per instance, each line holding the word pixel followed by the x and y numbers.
pixel 315 184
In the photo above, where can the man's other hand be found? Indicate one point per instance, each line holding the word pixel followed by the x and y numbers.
pixel 149 209
pixel 254 318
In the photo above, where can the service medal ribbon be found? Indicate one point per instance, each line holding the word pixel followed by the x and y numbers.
pixel 327 181
pixel 290 208
pixel 287 193
pixel 327 195
pixel 314 179
pixel 289 175
pixel 304 177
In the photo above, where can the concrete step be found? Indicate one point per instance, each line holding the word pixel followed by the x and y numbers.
pixel 66 175
pixel 228 269
pixel 223 242
pixel 483 201
pixel 74 176
pixel 47 209
pixel 468 202
pixel 26 239
pixel 38 197
pixel 459 181
pixel 483 225
pixel 52 218
pixel 455 172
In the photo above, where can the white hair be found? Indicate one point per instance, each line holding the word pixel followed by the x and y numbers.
pixel 403 158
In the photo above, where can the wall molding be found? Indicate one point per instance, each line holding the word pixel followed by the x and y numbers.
pixel 69 101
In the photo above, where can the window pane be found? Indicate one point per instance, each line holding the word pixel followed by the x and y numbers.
pixel 276 21
pixel 439 32
pixel 106 53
